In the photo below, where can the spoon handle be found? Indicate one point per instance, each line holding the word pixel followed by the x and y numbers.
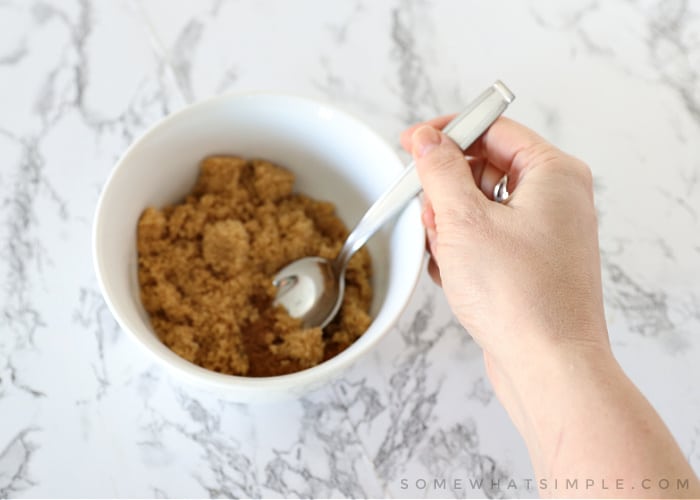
pixel 464 129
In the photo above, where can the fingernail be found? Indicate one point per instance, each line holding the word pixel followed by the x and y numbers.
pixel 432 239
pixel 424 140
pixel 428 216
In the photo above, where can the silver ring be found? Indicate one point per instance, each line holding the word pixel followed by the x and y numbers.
pixel 500 190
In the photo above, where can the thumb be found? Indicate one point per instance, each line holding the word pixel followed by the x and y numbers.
pixel 444 173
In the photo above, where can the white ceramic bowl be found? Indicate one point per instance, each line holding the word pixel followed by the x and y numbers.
pixel 334 156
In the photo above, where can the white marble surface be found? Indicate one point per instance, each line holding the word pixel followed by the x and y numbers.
pixel 84 412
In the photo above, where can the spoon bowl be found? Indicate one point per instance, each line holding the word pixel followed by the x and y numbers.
pixel 310 289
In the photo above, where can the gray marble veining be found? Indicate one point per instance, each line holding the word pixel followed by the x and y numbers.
pixel 84 412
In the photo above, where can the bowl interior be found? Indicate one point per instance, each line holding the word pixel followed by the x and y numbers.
pixel 333 156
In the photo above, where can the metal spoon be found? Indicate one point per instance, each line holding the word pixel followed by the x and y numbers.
pixel 312 288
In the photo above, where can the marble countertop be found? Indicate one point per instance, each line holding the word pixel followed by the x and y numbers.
pixel 85 412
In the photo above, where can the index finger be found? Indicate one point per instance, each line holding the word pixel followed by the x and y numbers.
pixel 501 144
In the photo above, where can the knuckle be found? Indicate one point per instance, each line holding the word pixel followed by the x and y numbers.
pixel 543 155
pixel 538 153
pixel 583 174
pixel 586 174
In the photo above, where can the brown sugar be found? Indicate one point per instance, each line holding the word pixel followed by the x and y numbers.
pixel 206 267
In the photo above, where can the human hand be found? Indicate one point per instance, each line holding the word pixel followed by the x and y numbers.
pixel 524 279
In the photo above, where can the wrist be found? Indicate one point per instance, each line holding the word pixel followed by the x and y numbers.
pixel 558 369
pixel 583 418
pixel 543 389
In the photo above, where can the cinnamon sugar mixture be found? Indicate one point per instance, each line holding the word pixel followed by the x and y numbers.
pixel 206 268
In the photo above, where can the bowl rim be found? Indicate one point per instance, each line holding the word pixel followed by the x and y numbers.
pixel 209 378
